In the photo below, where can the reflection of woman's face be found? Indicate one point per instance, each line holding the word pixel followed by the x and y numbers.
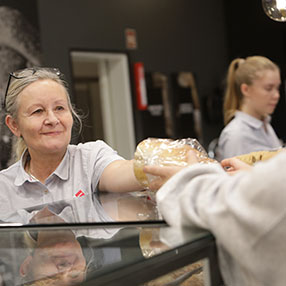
pixel 63 259
pixel 262 96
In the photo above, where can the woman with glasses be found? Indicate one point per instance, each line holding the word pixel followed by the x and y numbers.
pixel 251 97
pixel 49 169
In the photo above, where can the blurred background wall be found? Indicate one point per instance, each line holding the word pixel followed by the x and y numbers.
pixel 172 36
pixel 200 37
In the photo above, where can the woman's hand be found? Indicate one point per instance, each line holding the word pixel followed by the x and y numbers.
pixel 234 165
pixel 163 173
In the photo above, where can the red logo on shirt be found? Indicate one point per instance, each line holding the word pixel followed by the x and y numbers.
pixel 80 193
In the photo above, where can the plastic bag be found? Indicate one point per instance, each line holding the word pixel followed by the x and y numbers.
pixel 164 152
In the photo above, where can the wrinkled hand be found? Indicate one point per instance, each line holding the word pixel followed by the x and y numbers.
pixel 163 173
pixel 234 165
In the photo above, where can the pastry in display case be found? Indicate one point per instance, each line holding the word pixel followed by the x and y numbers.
pixel 190 275
pixel 151 245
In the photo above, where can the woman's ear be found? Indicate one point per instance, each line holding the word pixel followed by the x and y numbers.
pixel 24 267
pixel 244 88
pixel 13 126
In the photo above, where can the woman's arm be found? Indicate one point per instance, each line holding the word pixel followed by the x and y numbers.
pixel 119 176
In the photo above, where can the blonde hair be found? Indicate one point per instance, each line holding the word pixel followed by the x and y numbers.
pixel 46 281
pixel 17 85
pixel 242 71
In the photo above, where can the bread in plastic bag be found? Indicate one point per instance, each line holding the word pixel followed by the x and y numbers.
pixel 164 152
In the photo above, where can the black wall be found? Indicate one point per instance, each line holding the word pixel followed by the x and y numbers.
pixel 28 9
pixel 173 35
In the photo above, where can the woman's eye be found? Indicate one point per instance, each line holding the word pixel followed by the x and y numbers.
pixel 63 266
pixel 37 111
pixel 268 88
pixel 59 108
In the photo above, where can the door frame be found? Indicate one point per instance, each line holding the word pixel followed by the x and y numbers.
pixel 116 97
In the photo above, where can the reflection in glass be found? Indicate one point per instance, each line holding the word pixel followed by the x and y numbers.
pixel 56 259
pixel 66 254
pixel 275 9
pixel 61 256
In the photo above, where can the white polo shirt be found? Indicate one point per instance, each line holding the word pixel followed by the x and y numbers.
pixel 245 134
pixel 70 191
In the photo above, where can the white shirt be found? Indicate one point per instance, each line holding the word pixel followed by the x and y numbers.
pixel 70 191
pixel 246 213
pixel 245 134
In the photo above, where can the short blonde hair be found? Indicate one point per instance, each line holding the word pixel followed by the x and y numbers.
pixel 23 78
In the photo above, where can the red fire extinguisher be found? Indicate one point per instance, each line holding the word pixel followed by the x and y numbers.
pixel 140 86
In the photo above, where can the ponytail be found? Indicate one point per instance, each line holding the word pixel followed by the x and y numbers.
pixel 233 96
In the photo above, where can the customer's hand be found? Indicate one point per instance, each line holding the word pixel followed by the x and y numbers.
pixel 234 165
pixel 163 173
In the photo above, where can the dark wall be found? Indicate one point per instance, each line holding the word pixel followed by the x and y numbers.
pixel 173 35
pixel 29 11
pixel 251 32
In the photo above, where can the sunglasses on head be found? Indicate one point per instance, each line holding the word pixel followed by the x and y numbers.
pixel 23 73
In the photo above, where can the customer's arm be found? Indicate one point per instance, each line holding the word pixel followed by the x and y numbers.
pixel 243 205
pixel 245 212
pixel 234 165
pixel 202 194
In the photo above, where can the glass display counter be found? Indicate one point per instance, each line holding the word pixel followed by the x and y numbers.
pixel 143 250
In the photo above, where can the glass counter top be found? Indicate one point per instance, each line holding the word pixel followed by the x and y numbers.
pixel 129 244
pixel 69 254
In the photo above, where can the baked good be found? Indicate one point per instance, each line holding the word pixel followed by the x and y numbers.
pixel 151 245
pixel 253 157
pixel 164 152
pixel 190 275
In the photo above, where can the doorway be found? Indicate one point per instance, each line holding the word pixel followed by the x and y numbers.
pixel 102 91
